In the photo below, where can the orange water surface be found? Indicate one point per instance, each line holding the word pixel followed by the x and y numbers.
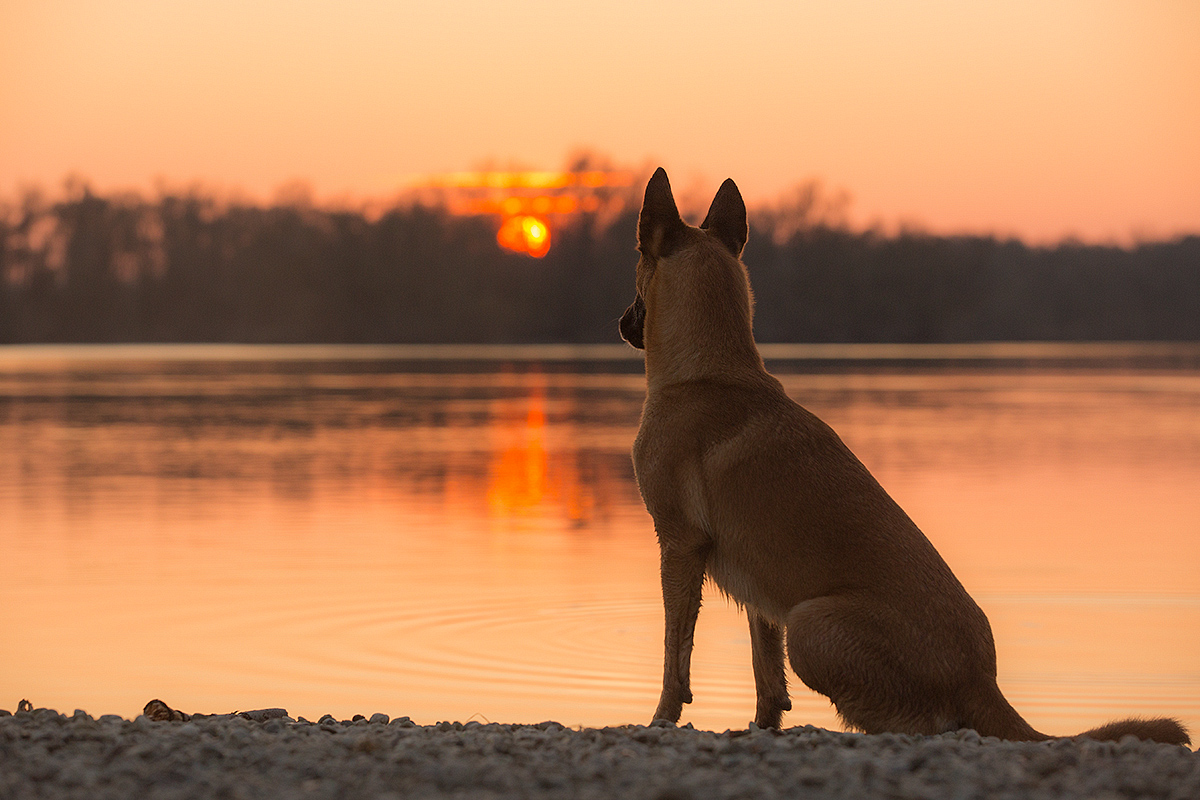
pixel 461 538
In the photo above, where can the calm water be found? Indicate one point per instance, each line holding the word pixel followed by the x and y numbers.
pixel 455 534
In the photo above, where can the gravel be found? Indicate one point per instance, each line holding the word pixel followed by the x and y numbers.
pixel 267 753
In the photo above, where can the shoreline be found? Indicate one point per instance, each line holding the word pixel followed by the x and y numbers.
pixel 267 753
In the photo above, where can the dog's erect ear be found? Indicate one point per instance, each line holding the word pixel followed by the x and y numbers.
pixel 727 218
pixel 660 228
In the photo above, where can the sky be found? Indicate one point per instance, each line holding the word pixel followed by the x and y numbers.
pixel 1044 120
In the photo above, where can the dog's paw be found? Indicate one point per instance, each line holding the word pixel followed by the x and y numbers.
pixel 668 711
pixel 769 713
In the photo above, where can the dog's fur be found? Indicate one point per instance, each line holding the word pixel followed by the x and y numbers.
pixel 746 486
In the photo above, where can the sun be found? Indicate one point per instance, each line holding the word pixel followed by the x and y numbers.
pixel 527 202
pixel 525 233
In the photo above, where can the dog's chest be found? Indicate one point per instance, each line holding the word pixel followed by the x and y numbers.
pixel 686 441
pixel 746 583
pixel 685 466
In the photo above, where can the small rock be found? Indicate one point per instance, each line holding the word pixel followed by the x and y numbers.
pixel 379 719
pixel 263 714
pixel 159 711
pixel 969 736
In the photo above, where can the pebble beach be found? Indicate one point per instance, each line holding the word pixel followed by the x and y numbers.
pixel 269 754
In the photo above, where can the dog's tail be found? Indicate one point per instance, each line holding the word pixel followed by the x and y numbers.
pixel 1001 720
pixel 1157 729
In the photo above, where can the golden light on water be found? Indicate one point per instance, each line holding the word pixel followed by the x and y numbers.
pixel 517 473
pixel 523 480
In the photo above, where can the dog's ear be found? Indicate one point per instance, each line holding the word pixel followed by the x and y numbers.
pixel 727 218
pixel 660 228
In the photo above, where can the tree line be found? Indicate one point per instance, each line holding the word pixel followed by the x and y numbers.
pixel 187 268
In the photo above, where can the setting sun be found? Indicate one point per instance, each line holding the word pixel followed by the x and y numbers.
pixel 523 201
pixel 525 234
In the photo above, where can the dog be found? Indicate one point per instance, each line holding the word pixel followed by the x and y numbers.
pixel 749 488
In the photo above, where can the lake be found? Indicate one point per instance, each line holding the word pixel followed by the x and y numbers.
pixel 453 533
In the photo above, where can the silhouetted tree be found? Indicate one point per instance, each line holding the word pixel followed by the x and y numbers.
pixel 189 269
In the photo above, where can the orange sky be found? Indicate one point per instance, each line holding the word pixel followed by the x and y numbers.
pixel 1042 119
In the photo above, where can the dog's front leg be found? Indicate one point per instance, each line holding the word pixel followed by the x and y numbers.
pixel 770 680
pixel 682 583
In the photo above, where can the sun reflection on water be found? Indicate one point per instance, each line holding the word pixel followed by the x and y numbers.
pixel 517 474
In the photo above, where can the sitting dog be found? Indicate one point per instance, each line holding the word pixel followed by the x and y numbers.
pixel 748 487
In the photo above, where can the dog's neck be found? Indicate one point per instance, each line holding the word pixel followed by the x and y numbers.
pixel 683 343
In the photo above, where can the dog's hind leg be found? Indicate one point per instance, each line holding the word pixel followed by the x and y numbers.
pixel 770 680
pixel 863 658
pixel 682 569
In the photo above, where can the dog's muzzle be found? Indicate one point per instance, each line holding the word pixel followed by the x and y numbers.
pixel 633 322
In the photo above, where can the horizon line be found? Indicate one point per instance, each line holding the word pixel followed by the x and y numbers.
pixel 565 352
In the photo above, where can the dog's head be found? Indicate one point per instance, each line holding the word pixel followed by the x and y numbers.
pixel 663 238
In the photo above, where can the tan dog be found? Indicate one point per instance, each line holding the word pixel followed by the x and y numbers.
pixel 749 488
